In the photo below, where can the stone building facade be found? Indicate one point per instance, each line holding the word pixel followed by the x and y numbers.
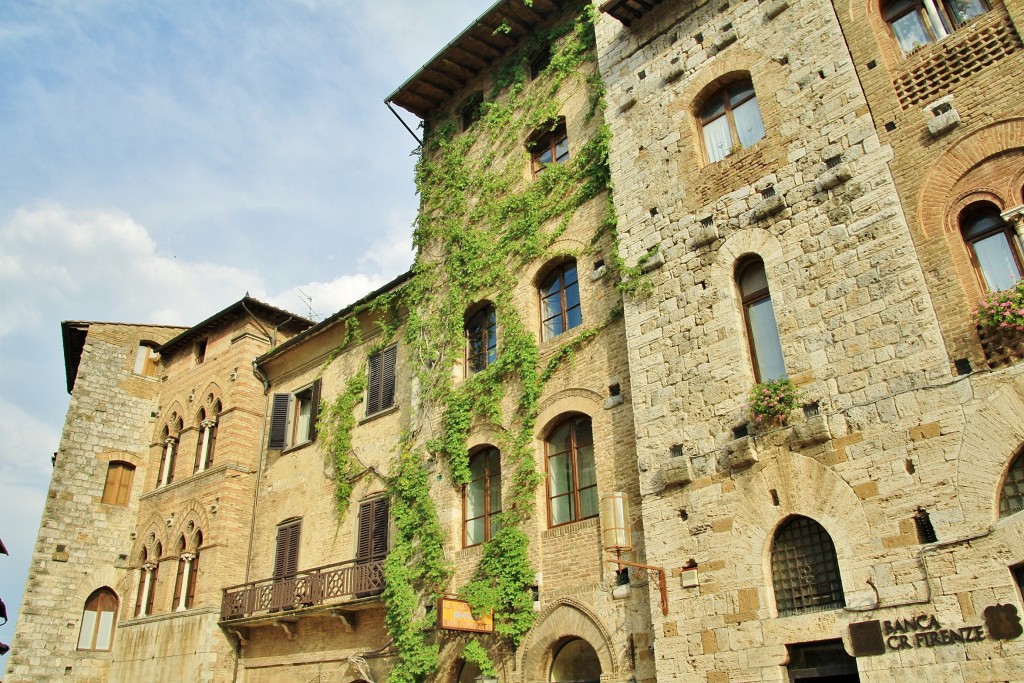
pixel 632 214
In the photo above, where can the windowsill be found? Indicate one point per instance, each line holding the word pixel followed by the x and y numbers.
pixel 297 447
pixel 198 476
pixel 467 553
pixel 379 413
pixel 548 347
pixel 570 527
pixel 736 158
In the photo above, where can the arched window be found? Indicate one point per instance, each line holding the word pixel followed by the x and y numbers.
pixel 188 568
pixel 1012 499
pixel 98 619
pixel 549 145
pixel 805 571
pixel 207 426
pixel 915 23
pixel 759 319
pixel 170 452
pixel 149 569
pixel 572 474
pixel 146 358
pixel 575 661
pixel 560 301
pixel 481 498
pixel 119 482
pixel 993 246
pixel 481 339
pixel 730 119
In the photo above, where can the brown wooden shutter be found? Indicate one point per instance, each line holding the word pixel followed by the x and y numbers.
pixel 160 470
pixel 110 488
pixel 199 450
pixel 373 385
pixel 373 530
pixel 190 590
pixel 213 442
pixel 124 486
pixel 286 560
pixel 279 422
pixel 387 392
pixel 314 409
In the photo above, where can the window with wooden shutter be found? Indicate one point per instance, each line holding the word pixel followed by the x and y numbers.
pixel 380 390
pixel 98 620
pixel 286 558
pixel 119 483
pixel 373 530
pixel 279 422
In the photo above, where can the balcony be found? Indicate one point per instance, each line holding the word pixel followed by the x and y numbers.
pixel 327 585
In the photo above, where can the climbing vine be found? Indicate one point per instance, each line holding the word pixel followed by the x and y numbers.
pixel 481 222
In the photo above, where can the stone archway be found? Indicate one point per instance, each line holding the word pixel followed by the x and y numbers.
pixel 561 622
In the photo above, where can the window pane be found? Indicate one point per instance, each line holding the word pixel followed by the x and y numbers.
pixel 588 502
pixel 560 473
pixel 748 122
pixel 561 510
pixel 585 466
pixel 753 279
pixel 559 441
pixel 910 31
pixel 765 333
pixel 738 92
pixel 996 261
pixel 88 629
pixel 963 11
pixel 106 629
pixel 562 150
pixel 717 139
pixel 475 531
pixel 475 499
pixel 714 107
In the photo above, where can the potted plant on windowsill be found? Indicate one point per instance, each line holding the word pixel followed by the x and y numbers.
pixel 772 402
pixel 1000 317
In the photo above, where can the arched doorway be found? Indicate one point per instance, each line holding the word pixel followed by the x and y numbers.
pixel 575 661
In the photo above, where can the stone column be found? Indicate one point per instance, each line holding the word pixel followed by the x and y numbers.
pixel 169 445
pixel 204 453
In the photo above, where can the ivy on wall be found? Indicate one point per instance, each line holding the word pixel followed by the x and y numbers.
pixel 481 223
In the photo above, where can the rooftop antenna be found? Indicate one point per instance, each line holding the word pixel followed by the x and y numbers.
pixel 308 300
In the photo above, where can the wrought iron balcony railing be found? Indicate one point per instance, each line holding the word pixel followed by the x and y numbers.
pixel 318 586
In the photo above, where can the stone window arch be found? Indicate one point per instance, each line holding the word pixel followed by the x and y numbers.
pixel 762 331
pixel 560 308
pixel 992 244
pixel 571 471
pixel 188 571
pixel 805 569
pixel 171 435
pixel 1011 495
pixel 729 118
pixel 99 616
pixel 149 571
pixel 481 497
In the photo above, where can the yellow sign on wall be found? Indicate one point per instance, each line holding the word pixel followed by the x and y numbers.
pixel 455 615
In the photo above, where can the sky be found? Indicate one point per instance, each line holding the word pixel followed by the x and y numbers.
pixel 161 158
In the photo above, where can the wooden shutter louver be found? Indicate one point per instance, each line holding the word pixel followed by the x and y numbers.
pixel 279 422
pixel 177 584
pixel 373 385
pixel 387 393
pixel 286 559
pixel 373 530
pixel 314 409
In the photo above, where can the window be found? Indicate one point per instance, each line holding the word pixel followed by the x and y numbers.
pixel 293 417
pixel 188 570
pixel 575 661
pixel 286 556
pixel 371 546
pixel 165 475
pixel 481 339
pixel 207 438
pixel 540 61
pixel 146 359
pixel 730 119
pixel 149 570
pixel 572 474
pixel 119 483
pixel 560 301
pixel 992 243
pixel 1012 499
pixel 481 498
pixel 380 390
pixel 471 109
pixel 199 351
pixel 759 318
pixel 805 571
pixel 549 145
pixel 915 23
pixel 98 618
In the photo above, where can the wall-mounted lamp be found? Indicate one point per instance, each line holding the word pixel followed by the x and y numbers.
pixel 616 536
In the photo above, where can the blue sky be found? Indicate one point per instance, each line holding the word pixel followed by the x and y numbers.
pixel 158 159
